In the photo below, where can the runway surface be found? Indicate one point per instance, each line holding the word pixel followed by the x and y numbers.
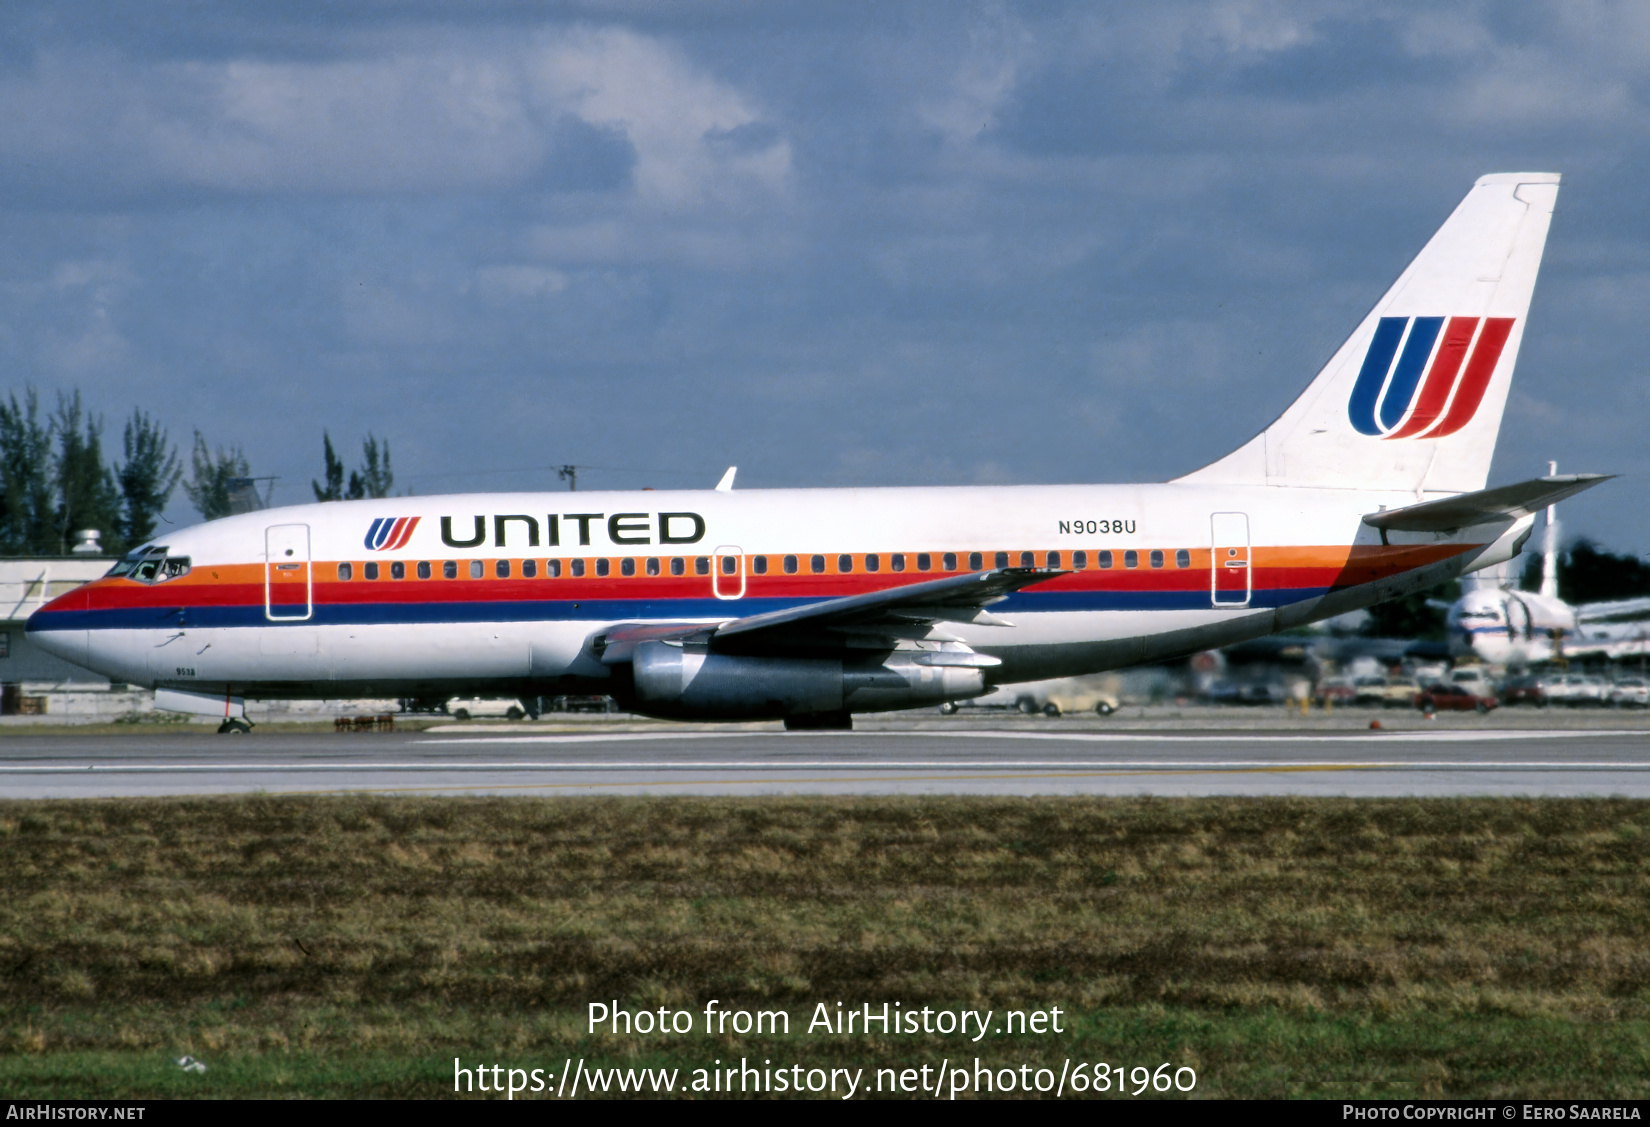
pixel 932 759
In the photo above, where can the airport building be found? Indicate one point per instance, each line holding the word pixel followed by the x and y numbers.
pixel 29 676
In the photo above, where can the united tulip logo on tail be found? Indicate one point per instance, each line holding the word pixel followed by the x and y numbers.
pixel 389 533
pixel 1424 400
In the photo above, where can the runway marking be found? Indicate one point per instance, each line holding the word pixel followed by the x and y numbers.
pixel 1170 765
pixel 1080 737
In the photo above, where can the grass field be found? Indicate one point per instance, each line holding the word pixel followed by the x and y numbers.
pixel 354 945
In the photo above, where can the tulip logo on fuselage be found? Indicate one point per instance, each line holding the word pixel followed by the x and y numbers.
pixel 1432 386
pixel 389 533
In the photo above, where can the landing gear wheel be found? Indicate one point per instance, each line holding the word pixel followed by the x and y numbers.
pixel 949 708
pixel 820 722
pixel 234 728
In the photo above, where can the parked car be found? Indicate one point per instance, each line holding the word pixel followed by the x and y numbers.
pixel 475 708
pixel 1525 690
pixel 1387 692
pixel 1443 696
pixel 1630 692
pixel 1336 690
pixel 1576 689
pixel 1259 692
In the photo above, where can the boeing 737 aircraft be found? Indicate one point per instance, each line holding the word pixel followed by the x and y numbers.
pixel 810 605
pixel 1496 621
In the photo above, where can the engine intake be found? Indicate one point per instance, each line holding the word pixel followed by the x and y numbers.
pixel 691 683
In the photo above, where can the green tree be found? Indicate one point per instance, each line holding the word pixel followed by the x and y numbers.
pixel 87 496
pixel 334 473
pixel 1587 574
pixel 374 478
pixel 147 477
pixel 27 516
pixel 214 477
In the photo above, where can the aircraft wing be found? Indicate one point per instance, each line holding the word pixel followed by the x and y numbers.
pixel 908 611
pixel 1505 502
pixel 1616 610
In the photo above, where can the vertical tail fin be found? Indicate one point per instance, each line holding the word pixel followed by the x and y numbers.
pixel 1413 399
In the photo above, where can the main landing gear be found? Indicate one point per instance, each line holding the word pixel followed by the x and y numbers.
pixel 234 727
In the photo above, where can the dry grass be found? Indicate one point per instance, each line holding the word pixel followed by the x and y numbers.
pixel 1483 946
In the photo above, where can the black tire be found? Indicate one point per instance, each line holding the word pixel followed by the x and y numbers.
pixel 1027 706
pixel 461 714
pixel 1104 708
pixel 949 708
pixel 1051 709
pixel 514 713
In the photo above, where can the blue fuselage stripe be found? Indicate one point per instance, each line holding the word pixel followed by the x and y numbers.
pixel 601 610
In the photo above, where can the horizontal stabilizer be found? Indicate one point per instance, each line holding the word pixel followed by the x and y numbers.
pixel 1506 502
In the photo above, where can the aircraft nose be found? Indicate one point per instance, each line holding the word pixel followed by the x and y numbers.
pixel 58 628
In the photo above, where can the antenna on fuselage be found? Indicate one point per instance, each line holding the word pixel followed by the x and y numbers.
pixel 726 484
pixel 569 474
pixel 1549 546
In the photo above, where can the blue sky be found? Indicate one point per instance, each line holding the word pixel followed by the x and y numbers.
pixel 834 244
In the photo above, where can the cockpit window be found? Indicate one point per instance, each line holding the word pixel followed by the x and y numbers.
pixel 150 565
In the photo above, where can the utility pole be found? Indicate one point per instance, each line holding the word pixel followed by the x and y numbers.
pixel 570 474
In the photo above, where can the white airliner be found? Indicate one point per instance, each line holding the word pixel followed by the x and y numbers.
pixel 810 605
pixel 1505 626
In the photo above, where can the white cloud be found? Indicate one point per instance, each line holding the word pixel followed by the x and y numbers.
pixel 470 116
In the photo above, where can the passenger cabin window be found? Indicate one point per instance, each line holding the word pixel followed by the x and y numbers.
pixel 1131 558
pixel 790 565
pixel 678 566
pixel 949 561
pixel 1054 559
pixel 1000 559
pixel 501 568
pixel 552 569
pixel 577 567
pixel 817 565
pixel 730 565
pixel 370 571
pixel 627 566
pixel 976 561
pixel 1157 557
pixel 925 562
pixel 449 570
pixel 398 570
pixel 896 562
pixel 476 569
pixel 346 572
pixel 1080 560
pixel 759 565
pixel 701 565
pixel 529 568
pixel 653 565
pixel 1103 558
pixel 844 564
pixel 602 567
pixel 1182 558
pixel 873 563
pixel 1028 559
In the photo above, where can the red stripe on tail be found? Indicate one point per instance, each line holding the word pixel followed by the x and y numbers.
pixel 1477 378
pixel 1441 379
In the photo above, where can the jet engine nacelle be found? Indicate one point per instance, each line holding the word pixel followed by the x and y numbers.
pixel 674 681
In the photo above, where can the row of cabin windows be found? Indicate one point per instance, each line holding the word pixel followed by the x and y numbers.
pixel 790 565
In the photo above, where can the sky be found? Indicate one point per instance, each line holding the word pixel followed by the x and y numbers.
pixel 834 244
